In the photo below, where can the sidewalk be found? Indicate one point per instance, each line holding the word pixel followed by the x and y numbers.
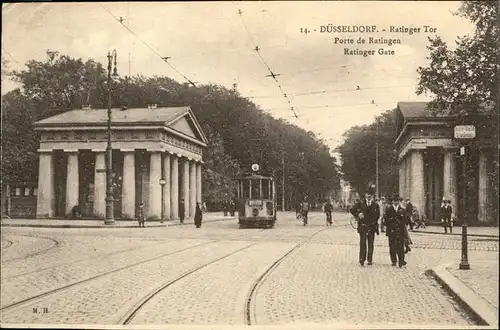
pixel 475 289
pixel 457 230
pixel 99 223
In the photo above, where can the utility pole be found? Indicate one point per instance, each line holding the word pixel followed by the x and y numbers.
pixel 376 163
pixel 283 180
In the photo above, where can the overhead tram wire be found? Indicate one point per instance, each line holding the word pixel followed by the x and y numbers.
pixel 329 91
pixel 333 106
pixel 163 58
pixel 271 72
pixel 11 57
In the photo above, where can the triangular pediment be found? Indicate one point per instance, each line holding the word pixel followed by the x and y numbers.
pixel 188 125
pixel 182 125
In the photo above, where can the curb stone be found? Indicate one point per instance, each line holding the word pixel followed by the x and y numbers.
pixel 483 313
pixel 165 224
pixel 454 234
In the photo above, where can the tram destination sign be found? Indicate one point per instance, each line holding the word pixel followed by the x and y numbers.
pixel 464 132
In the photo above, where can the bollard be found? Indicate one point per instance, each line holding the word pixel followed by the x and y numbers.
pixel 464 263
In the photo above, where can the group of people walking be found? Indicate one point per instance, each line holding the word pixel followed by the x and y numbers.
pixel 394 217
pixel 198 214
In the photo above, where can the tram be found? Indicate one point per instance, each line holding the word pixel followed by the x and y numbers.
pixel 256 201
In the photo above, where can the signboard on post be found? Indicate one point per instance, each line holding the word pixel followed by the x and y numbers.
pixel 464 132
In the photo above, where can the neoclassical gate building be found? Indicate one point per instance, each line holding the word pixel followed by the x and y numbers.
pixel 149 144
pixel 430 165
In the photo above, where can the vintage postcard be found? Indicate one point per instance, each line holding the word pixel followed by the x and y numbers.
pixel 273 164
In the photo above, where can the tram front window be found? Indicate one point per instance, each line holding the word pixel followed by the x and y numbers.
pixel 265 190
pixel 255 189
pixel 246 188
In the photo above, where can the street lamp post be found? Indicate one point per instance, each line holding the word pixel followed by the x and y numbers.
pixel 162 183
pixel 109 166
pixel 464 134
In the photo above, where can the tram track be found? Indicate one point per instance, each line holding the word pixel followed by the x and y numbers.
pixel 130 315
pixel 65 287
pixel 104 256
pixel 8 245
pixel 29 255
pixel 249 310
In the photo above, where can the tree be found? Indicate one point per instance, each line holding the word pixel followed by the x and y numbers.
pixel 5 68
pixel 19 143
pixel 62 83
pixel 466 79
pixel 359 156
pixel 240 133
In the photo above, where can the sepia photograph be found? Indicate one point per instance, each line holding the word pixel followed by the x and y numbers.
pixel 250 164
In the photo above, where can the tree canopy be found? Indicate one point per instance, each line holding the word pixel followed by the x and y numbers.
pixel 358 154
pixel 465 79
pixel 240 133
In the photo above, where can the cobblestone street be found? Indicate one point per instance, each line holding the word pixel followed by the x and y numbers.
pixel 220 274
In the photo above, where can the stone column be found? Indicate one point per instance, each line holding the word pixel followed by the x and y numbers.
pixel 99 206
pixel 401 177
pixel 128 184
pixel 417 195
pixel 408 178
pixel 154 202
pixel 45 196
pixel 483 188
pixel 450 178
pixel 198 183
pixel 174 187
pixel 72 181
pixel 185 190
pixel 192 187
pixel 167 187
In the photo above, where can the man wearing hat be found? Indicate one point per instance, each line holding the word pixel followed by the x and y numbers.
pixel 395 231
pixel 367 212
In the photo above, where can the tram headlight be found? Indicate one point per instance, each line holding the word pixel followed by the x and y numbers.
pixel 255 212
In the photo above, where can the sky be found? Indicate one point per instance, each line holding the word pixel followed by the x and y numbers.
pixel 210 42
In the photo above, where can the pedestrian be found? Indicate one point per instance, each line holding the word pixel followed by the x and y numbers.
pixel 367 213
pixel 182 210
pixel 395 228
pixel 407 221
pixel 232 208
pixel 328 211
pixel 198 216
pixel 409 213
pixel 446 212
pixel 304 209
pixel 141 217
pixel 383 207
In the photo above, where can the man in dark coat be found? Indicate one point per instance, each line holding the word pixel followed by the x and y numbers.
pixel 182 210
pixel 198 216
pixel 395 231
pixel 366 212
pixel 446 212
pixel 328 211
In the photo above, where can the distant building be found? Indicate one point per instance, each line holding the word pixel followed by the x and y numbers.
pixel 148 144
pixel 430 165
